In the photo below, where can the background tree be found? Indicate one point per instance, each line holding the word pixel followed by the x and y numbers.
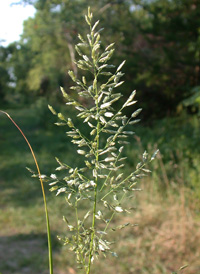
pixel 4 74
pixel 51 34
pixel 169 58
pixel 159 39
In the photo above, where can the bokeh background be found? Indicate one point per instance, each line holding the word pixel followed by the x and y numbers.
pixel 160 41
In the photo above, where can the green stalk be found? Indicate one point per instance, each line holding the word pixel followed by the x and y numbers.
pixel 43 194
pixel 93 232
pixel 95 203
pixel 78 235
pixel 97 159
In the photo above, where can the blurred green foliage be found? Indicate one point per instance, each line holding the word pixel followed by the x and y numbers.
pixel 160 40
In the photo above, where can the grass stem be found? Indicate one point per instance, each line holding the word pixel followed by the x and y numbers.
pixel 43 193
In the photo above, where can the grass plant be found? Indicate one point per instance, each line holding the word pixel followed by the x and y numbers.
pixel 99 181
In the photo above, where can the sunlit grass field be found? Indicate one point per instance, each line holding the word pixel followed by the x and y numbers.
pixel 166 212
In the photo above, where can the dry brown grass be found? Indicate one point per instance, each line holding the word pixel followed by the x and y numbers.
pixel 166 238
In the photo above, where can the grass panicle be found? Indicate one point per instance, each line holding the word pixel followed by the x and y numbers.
pixel 99 182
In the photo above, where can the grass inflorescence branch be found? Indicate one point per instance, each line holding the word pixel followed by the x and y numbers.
pixel 100 182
